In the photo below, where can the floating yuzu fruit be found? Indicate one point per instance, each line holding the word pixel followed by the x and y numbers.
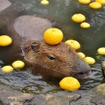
pixel 73 43
pixel 78 18
pixel 44 2
pixel 7 69
pixel 69 83
pixel 89 60
pixel 101 50
pixel 53 36
pixel 84 1
pixel 5 40
pixel 101 1
pixel 95 5
pixel 85 25
pixel 18 64
pixel 82 55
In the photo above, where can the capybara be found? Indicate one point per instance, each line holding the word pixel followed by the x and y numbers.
pixel 55 61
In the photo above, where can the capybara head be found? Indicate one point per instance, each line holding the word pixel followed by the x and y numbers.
pixel 55 60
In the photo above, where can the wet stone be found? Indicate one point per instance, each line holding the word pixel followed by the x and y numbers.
pixel 95 96
pixel 55 99
pixel 21 97
pixel 16 103
pixel 9 96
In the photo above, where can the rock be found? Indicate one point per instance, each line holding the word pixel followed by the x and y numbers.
pixel 9 96
pixel 95 96
pixel 16 103
pixel 101 89
pixel 21 97
pixel 13 97
pixel 55 99
pixel 103 68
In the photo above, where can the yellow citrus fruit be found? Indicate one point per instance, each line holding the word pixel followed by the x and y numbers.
pixel 73 43
pixel 5 40
pixel 78 18
pixel 44 2
pixel 82 55
pixel 85 25
pixel 89 60
pixel 7 69
pixel 95 5
pixel 18 64
pixel 101 51
pixel 84 1
pixel 53 36
pixel 69 83
pixel 101 1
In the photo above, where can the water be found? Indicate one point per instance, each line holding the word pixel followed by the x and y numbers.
pixel 61 11
pixel 90 40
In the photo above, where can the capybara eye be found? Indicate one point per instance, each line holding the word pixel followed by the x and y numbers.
pixel 51 57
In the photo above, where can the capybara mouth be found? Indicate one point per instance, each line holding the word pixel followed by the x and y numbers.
pixel 83 75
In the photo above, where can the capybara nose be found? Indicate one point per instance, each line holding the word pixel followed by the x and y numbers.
pixel 83 70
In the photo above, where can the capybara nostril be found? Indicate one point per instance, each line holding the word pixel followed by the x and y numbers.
pixel 83 75
pixel 83 70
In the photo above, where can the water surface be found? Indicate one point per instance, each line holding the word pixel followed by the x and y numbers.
pixel 90 40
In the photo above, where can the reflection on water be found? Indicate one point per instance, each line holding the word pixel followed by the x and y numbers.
pixel 90 39
pixel 26 82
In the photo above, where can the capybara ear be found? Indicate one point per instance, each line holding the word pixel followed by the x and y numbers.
pixel 35 46
pixel 26 46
